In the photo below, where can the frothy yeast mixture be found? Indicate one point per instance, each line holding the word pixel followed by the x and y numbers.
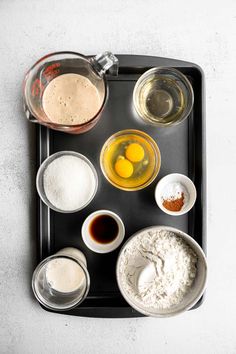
pixel 71 99
pixel 64 275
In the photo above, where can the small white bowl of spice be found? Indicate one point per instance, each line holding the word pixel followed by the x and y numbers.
pixel 175 194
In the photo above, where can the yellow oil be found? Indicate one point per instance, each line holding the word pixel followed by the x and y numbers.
pixel 142 170
pixel 160 100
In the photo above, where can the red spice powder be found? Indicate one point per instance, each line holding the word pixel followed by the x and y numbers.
pixel 174 204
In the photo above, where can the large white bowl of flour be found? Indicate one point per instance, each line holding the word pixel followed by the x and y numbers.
pixel 161 271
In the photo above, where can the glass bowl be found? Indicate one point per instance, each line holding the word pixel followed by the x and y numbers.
pixel 144 172
pixel 45 164
pixel 54 299
pixel 163 97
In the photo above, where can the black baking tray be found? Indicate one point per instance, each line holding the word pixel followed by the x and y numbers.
pixel 183 151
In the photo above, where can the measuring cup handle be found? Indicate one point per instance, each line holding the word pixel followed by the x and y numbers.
pixel 105 62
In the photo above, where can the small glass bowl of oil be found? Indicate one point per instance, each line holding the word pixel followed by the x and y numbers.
pixel 163 96
pixel 130 160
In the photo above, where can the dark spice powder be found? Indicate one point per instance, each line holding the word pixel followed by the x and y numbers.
pixel 174 204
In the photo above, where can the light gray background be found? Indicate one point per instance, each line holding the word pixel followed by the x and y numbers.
pixel 200 31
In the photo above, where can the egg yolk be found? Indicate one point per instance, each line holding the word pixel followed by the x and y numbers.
pixel 134 152
pixel 124 168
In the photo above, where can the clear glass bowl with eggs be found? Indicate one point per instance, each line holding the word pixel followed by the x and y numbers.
pixel 130 160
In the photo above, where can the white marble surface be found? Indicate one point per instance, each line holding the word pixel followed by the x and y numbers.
pixel 198 31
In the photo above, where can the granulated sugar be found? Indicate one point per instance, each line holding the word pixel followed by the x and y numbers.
pixel 69 182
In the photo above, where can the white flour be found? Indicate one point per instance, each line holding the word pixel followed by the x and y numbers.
pixel 157 269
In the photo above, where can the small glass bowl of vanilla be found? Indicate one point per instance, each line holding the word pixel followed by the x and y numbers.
pixel 130 160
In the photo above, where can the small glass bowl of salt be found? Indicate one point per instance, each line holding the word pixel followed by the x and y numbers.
pixel 67 181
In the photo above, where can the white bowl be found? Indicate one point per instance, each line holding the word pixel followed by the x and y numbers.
pixel 99 247
pixel 185 182
pixel 191 297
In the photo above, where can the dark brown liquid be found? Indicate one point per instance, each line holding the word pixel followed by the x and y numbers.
pixel 103 229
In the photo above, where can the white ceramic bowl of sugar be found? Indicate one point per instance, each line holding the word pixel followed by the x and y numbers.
pixel 176 182
pixel 67 181
pixel 129 287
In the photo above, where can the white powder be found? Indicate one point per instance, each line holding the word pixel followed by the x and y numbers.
pixel 64 275
pixel 68 182
pixel 174 191
pixel 157 269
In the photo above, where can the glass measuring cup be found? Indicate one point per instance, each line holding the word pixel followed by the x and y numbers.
pixel 61 281
pixel 56 64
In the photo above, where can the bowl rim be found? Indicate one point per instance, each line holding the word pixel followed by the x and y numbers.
pixel 51 158
pixel 189 240
pixel 189 205
pixel 155 147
